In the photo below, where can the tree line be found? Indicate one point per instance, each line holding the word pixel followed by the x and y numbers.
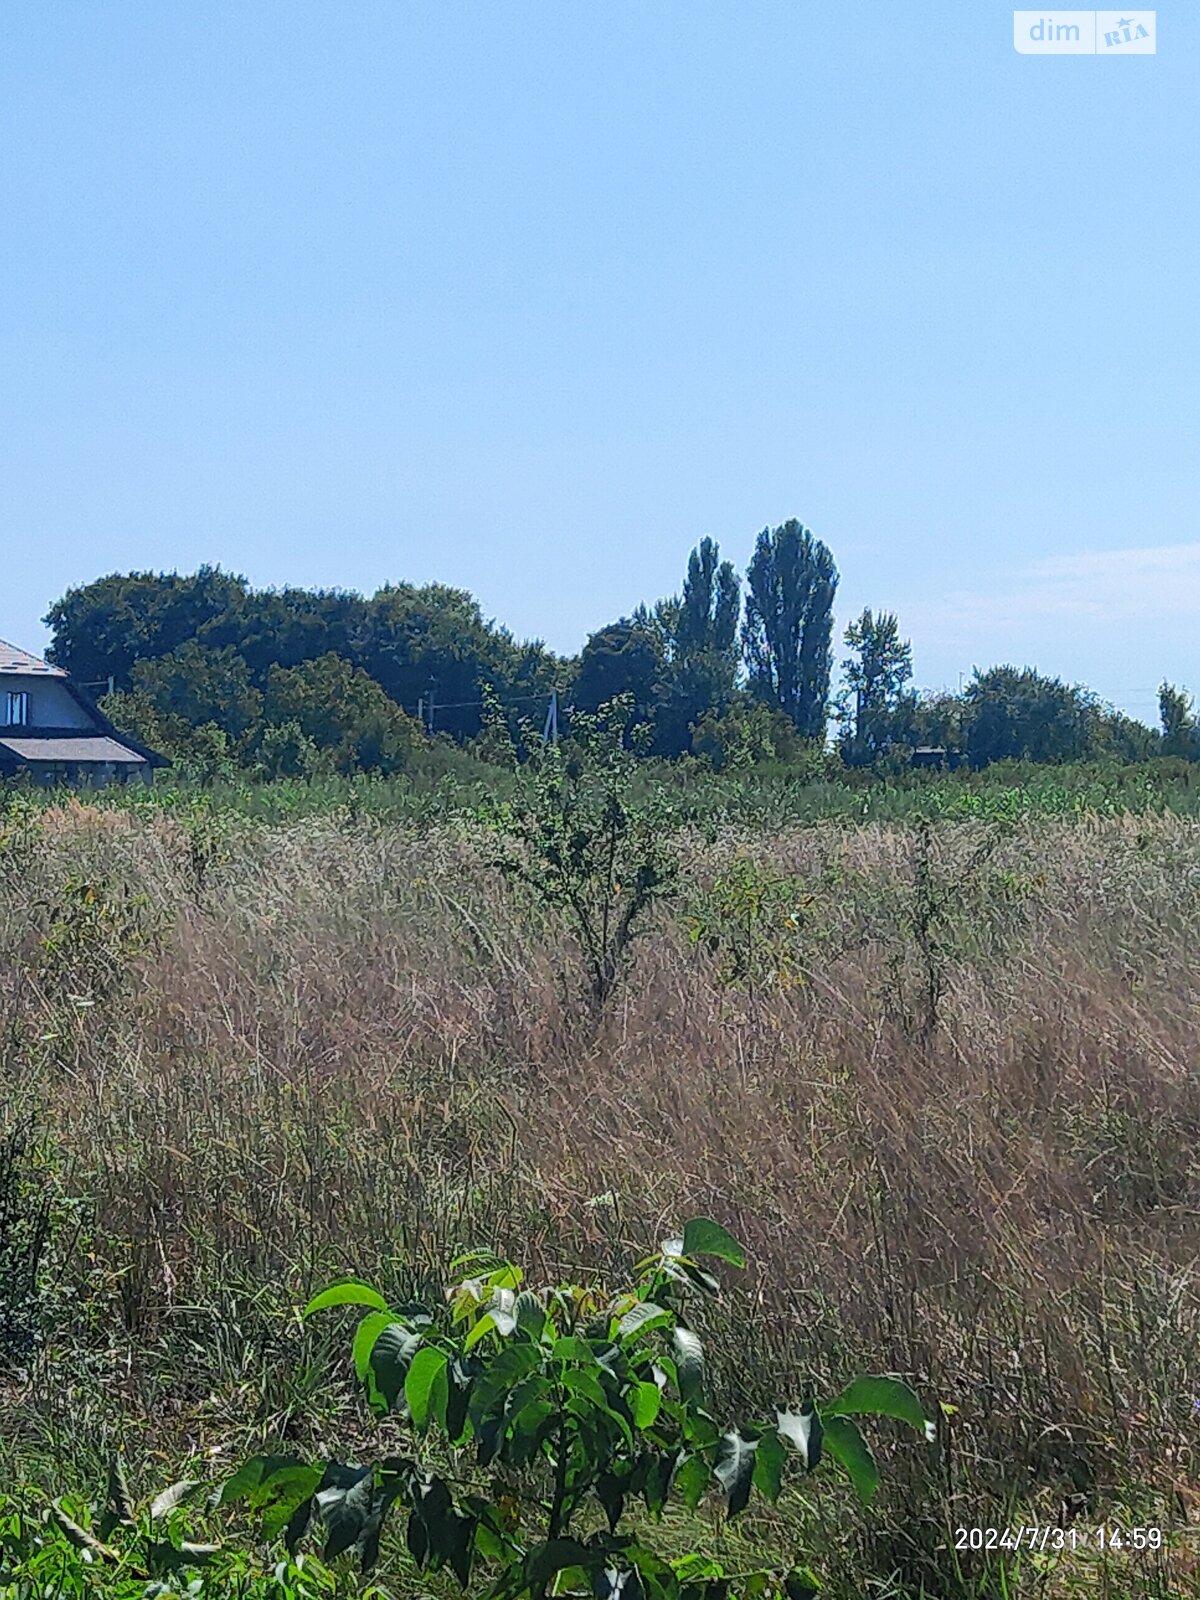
pixel 731 670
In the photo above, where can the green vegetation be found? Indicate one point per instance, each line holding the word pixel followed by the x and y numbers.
pixel 578 1402
pixel 922 1038
pixel 932 1063
pixel 227 680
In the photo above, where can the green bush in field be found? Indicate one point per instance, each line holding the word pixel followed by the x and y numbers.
pixel 578 838
pixel 546 1431
pixel 751 920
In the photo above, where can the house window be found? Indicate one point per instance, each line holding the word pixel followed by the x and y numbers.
pixel 16 709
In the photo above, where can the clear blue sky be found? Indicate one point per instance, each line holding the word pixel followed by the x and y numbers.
pixel 528 297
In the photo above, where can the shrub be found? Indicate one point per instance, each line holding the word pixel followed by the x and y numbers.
pixel 586 848
pixel 579 1406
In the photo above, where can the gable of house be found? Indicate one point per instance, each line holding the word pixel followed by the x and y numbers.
pixel 50 730
pixel 48 703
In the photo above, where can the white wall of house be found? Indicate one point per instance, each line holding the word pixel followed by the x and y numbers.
pixel 51 705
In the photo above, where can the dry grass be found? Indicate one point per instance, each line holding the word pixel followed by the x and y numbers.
pixel 337 1044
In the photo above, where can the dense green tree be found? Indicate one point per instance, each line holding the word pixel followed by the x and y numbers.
pixel 747 734
pixel 427 639
pixel 1180 735
pixel 707 619
pixel 1123 738
pixel 101 629
pixel 198 685
pixel 625 658
pixel 412 640
pixel 206 668
pixel 689 689
pixel 283 627
pixel 434 638
pixel 344 713
pixel 876 674
pixel 202 751
pixel 788 627
pixel 1023 715
pixel 286 751
pixel 932 720
pixel 698 633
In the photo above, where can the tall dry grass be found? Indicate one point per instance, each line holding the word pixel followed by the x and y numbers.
pixel 960 1139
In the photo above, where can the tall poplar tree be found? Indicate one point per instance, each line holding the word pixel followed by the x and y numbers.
pixel 788 629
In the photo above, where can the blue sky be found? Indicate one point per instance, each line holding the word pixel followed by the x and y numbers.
pixel 528 297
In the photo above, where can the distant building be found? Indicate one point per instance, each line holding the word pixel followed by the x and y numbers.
pixel 935 755
pixel 51 733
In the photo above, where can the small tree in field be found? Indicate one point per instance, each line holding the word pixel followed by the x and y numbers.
pixel 578 838
pixel 545 1430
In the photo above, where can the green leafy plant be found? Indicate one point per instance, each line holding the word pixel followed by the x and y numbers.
pixel 751 920
pixel 578 839
pixel 124 1551
pixel 95 929
pixel 546 1431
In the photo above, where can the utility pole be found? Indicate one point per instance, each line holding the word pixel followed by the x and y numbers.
pixel 550 731
pixel 429 705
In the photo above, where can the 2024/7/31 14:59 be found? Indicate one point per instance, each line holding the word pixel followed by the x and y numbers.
pixel 1048 1537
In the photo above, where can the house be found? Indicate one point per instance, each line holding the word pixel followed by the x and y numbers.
pixel 51 733
pixel 936 756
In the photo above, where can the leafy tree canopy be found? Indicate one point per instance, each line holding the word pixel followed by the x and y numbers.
pixel 788 626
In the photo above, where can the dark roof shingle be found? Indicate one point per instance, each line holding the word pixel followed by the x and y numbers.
pixel 20 661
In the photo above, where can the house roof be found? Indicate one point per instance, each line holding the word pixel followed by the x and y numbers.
pixel 103 742
pixel 13 660
pixel 69 747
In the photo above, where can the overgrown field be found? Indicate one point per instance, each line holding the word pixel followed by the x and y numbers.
pixel 939 1079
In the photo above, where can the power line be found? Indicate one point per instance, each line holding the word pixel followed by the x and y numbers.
pixel 517 700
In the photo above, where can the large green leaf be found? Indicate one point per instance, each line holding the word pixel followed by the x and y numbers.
pixel 611 1488
pixel 485 1325
pixel 530 1314
pixel 802 1430
pixel 80 1537
pixel 656 1480
pixel 704 1238
pixel 878 1397
pixel 734 1469
pixel 850 1450
pixel 645 1403
pixel 391 1355
pixel 162 1556
pixel 175 1495
pixel 768 1465
pixel 427 1388
pixel 258 1480
pixel 573 1348
pixel 545 1560
pixel 642 1319
pixel 585 1383
pixel 691 1480
pixel 344 1510
pixel 689 1365
pixel 346 1292
pixel 365 1335
pixel 120 1500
